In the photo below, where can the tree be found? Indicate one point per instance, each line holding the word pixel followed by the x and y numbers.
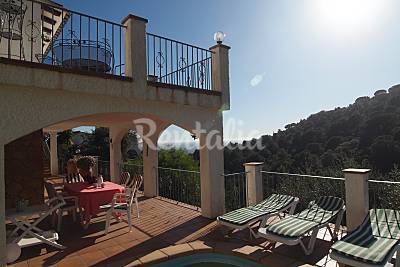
pixel 64 145
pixel 98 144
pixel 365 134
pixel 177 159
pixel 385 153
pixel 130 146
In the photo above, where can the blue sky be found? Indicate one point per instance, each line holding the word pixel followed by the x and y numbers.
pixel 289 58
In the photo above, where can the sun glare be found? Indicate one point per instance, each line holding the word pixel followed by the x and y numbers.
pixel 350 16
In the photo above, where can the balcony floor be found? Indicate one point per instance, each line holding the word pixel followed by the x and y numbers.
pixel 162 224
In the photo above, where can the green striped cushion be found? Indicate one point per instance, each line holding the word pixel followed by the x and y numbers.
pixel 319 212
pixel 270 205
pixel 372 241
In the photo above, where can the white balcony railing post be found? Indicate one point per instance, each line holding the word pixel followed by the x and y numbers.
pixel 254 184
pixel 220 72
pixel 357 197
pixel 135 50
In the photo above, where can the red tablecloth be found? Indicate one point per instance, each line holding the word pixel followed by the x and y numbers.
pixel 91 198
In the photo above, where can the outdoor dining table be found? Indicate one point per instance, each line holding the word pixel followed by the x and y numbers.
pixel 91 198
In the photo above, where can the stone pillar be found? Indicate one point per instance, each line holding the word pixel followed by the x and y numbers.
pixel 220 73
pixel 357 198
pixel 53 153
pixel 135 50
pixel 150 167
pixel 211 170
pixel 2 209
pixel 254 184
pixel 116 135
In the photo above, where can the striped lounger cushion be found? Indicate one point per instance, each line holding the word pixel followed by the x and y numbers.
pixel 270 205
pixel 373 240
pixel 319 213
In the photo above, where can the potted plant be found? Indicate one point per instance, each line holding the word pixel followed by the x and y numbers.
pixel 85 165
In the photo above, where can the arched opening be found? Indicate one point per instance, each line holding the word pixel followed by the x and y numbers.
pixel 179 166
pixel 42 155
pixel 96 142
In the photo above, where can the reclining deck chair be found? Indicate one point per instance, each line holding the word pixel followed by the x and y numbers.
pixel 373 243
pixel 246 217
pixel 292 229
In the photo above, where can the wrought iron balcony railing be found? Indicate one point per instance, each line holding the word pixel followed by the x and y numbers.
pixel 179 185
pixel 173 62
pixel 43 32
pixel 235 190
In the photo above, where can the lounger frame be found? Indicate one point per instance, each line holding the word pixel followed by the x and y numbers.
pixel 262 219
pixel 309 248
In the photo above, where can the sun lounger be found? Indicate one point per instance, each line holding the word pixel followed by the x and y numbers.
pixel 292 229
pixel 246 217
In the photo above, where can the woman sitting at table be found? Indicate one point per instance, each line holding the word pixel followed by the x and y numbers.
pixel 85 165
pixel 73 175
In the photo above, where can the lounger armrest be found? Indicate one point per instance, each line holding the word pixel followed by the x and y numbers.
pixel 311 204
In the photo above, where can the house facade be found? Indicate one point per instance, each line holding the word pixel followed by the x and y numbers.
pixel 90 71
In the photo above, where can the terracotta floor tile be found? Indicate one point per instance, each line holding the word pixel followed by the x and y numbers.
pixel 178 250
pixel 19 264
pixel 113 250
pixel 94 258
pixel 71 262
pixel 161 224
pixel 153 257
pixel 276 260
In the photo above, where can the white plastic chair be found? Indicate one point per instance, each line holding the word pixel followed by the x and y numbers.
pixel 121 203
pixel 134 185
pixel 125 178
pixel 73 178
pixel 27 233
pixel 71 204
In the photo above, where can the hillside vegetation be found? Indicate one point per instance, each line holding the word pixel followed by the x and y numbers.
pixel 366 134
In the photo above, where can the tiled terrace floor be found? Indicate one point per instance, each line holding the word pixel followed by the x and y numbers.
pixel 161 224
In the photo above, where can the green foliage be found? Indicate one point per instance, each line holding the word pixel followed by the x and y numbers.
pixel 65 148
pixel 130 146
pixel 365 134
pixel 97 144
pixel 177 159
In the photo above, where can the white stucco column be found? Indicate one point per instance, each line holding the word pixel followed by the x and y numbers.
pixel 116 136
pixel 211 169
pixel 150 130
pixel 220 73
pixel 53 153
pixel 150 168
pixel 135 50
pixel 255 193
pixel 2 209
pixel 357 197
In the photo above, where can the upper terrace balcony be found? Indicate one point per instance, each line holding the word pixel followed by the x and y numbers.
pixel 43 34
